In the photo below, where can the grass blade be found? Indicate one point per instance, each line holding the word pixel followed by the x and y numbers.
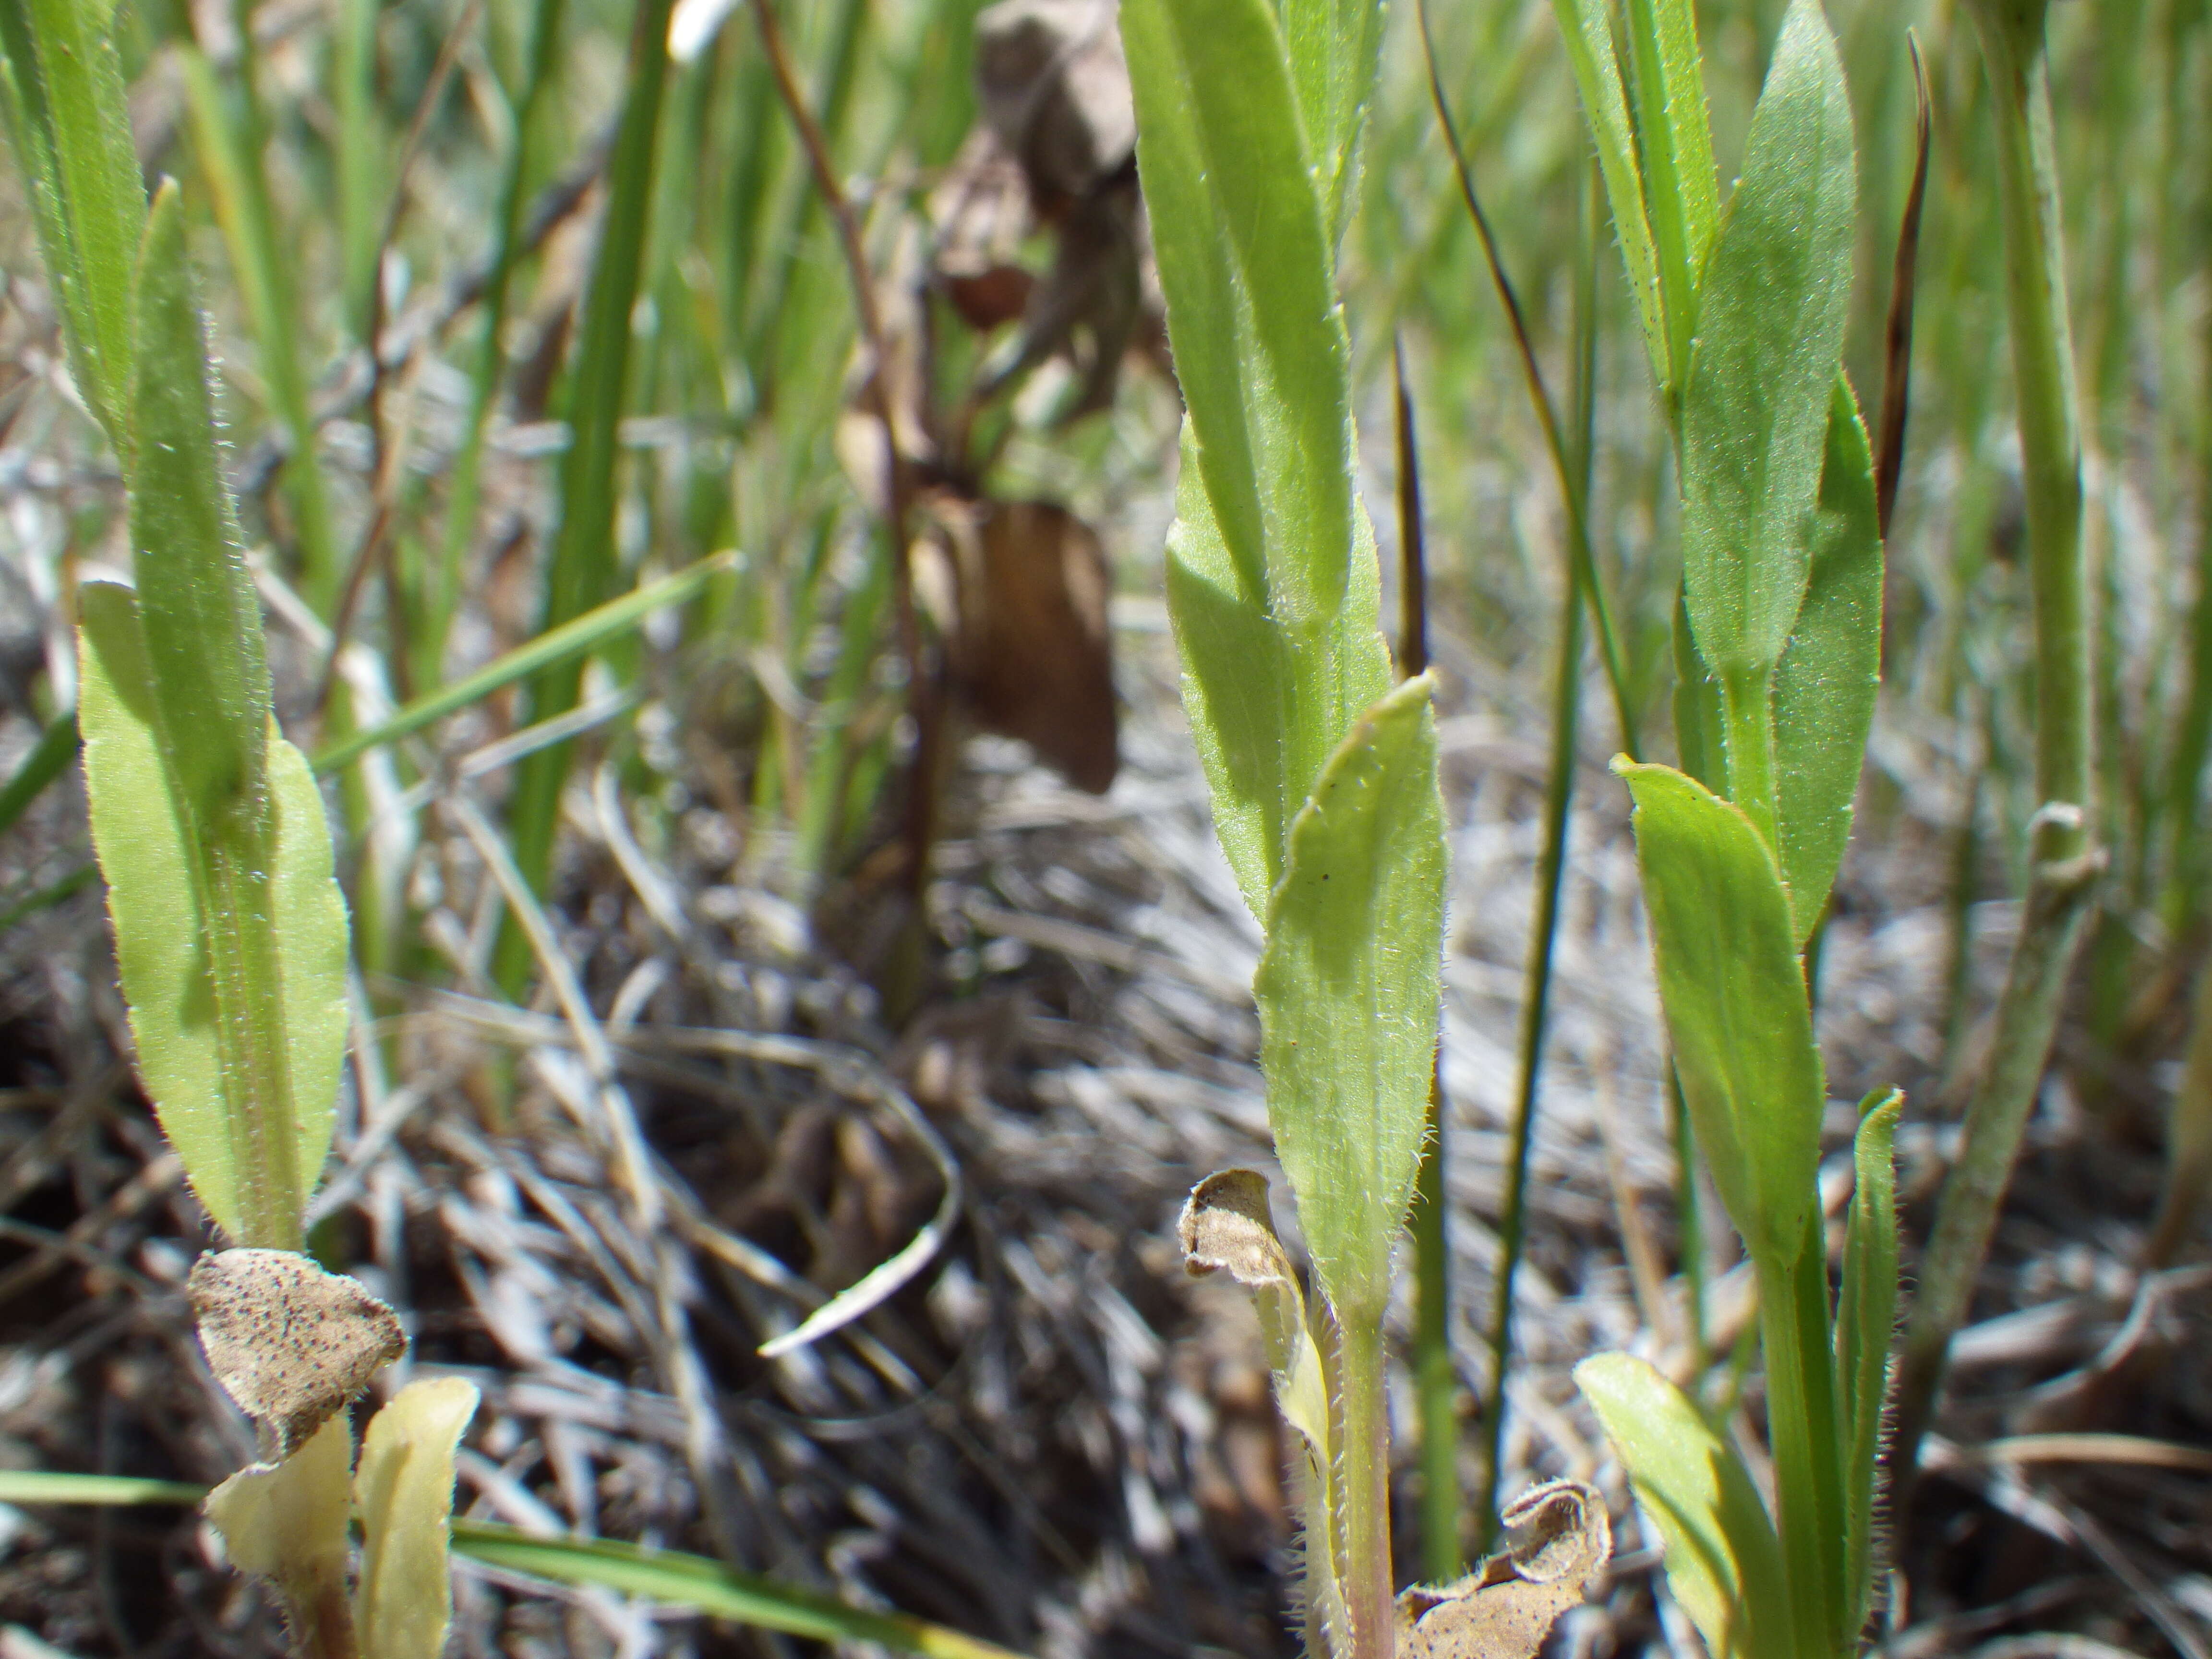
pixel 565 644
pixel 49 758
pixel 582 568
pixel 692 1580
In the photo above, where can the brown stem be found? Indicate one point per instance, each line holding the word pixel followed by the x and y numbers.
pixel 921 703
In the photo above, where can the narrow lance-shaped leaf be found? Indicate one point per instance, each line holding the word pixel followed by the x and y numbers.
pixel 1681 191
pixel 1586 26
pixel 1735 1001
pixel 196 603
pixel 67 110
pixel 1334 46
pixel 1772 312
pixel 1272 576
pixel 1826 684
pixel 1347 991
pixel 1723 1561
pixel 1866 1318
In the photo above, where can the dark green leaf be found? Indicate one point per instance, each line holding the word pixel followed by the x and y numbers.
pixel 1772 311
pixel 197 607
pixel 1825 686
pixel 1273 581
pixel 1735 999
pixel 68 117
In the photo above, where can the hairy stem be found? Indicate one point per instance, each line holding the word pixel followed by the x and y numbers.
pixel 1363 1490
pixel 1805 1433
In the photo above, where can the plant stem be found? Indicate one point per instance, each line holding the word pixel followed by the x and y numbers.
pixel 1747 715
pixel 1804 1432
pixel 2065 862
pixel 250 1032
pixel 1363 1485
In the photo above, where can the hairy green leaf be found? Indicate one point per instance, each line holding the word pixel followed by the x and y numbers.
pixel 1334 46
pixel 1825 685
pixel 197 607
pixel 1273 581
pixel 404 1490
pixel 1681 191
pixel 1586 26
pixel 1772 311
pixel 1735 1001
pixel 68 115
pixel 168 936
pixel 1866 1319
pixel 1723 1561
pixel 1347 990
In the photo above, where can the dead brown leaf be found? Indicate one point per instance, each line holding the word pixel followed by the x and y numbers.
pixel 290 1343
pixel 1560 1536
pixel 1030 650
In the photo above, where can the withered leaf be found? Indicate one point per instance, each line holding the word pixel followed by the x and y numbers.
pixel 1031 652
pixel 1559 1537
pixel 290 1343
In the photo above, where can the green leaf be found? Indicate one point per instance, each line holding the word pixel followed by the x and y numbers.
pixel 1273 581
pixel 1723 1561
pixel 1772 311
pixel 690 1580
pixel 197 607
pixel 1347 990
pixel 1334 46
pixel 158 876
pixel 68 117
pixel 1681 190
pixel 1826 683
pixel 1698 735
pixel 1866 1317
pixel 1735 999
pixel 404 1489
pixel 1586 26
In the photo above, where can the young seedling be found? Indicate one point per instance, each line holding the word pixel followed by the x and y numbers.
pixel 1779 642
pixel 1323 777
pixel 230 931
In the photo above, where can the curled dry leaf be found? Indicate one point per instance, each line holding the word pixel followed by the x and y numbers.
pixel 1227 1226
pixel 290 1343
pixel 1027 639
pixel 1560 1538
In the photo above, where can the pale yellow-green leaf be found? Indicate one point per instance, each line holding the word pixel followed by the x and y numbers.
pixel 404 1488
pixel 161 921
pixel 1723 1561
pixel 287 1522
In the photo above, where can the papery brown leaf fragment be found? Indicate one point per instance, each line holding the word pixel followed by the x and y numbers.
pixel 290 1343
pixel 1561 1537
pixel 1030 648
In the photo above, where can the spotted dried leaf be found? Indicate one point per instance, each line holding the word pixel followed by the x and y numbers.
pixel 1560 1538
pixel 290 1343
